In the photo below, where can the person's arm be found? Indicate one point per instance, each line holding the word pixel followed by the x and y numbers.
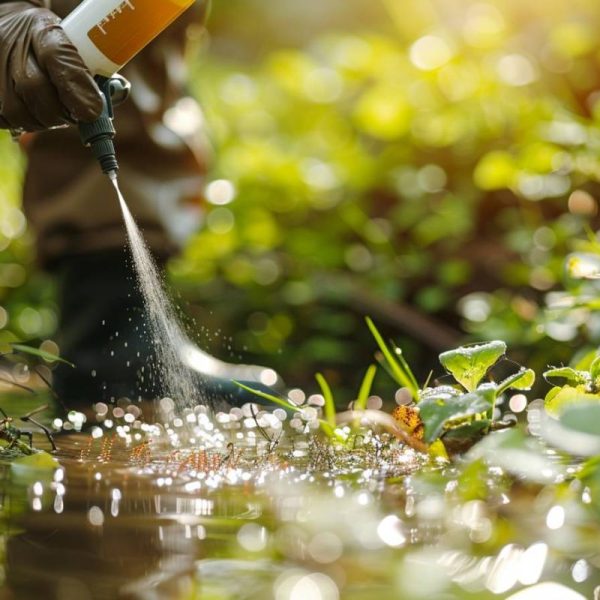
pixel 43 81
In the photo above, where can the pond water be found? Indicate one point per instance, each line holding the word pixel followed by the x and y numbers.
pixel 151 518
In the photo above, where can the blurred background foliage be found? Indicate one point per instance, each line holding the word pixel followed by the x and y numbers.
pixel 429 163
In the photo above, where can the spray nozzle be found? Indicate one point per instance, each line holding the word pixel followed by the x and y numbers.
pixel 98 135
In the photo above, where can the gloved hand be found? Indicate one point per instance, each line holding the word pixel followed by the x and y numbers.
pixel 43 81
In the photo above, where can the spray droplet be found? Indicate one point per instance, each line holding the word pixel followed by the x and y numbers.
pixel 166 332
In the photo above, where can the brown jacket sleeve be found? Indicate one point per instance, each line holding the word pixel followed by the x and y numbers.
pixel 67 199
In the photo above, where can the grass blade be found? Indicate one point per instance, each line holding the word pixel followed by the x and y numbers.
pixel 327 427
pixel 405 366
pixel 365 388
pixel 48 356
pixel 269 397
pixel 400 370
pixel 329 403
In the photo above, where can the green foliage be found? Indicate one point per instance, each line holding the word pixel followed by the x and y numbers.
pixel 283 402
pixel 327 426
pixel 38 353
pixel 440 413
pixel 558 398
pixel 572 376
pixel 580 386
pixel 590 477
pixel 361 166
pixel 33 467
pixel 469 364
pixel 522 380
pixel 328 396
pixel 27 308
pixel 395 362
pixel 445 411
pixel 366 174
pixel 448 409
pixel 583 417
pixel 365 388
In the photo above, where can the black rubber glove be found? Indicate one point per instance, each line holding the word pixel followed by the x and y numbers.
pixel 43 81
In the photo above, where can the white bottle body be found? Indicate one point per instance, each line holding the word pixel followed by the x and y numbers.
pixel 77 26
pixel 109 33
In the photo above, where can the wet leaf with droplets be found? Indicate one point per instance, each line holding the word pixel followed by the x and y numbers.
pixel 438 413
pixel 572 376
pixel 469 364
pixel 522 380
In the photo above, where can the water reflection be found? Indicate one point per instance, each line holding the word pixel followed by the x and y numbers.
pixel 151 522
pixel 95 537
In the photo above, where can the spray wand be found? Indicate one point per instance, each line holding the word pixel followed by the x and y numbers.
pixel 108 34
pixel 98 135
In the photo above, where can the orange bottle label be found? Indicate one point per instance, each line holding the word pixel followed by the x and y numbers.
pixel 132 25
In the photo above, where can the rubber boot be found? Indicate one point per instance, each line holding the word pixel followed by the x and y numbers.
pixel 103 330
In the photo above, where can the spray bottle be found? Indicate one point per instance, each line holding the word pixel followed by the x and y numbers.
pixel 107 35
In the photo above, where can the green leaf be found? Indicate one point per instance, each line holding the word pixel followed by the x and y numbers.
pixel 438 413
pixel 365 388
pixel 590 476
pixel 329 403
pixel 595 372
pixel 575 431
pixel 558 398
pixel 438 450
pixel 399 368
pixel 522 380
pixel 583 417
pixel 47 356
pixel 472 481
pixel 585 361
pixel 34 467
pixel 567 373
pixel 441 392
pixel 472 430
pixel 469 364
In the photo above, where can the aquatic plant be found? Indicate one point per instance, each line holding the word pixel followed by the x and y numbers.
pixel 578 384
pixel 454 415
